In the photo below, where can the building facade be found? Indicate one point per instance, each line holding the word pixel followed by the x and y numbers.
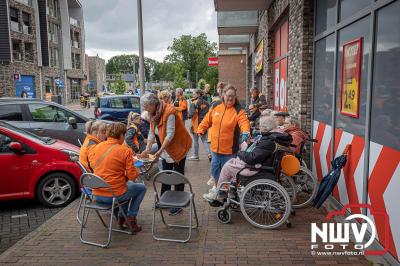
pixel 97 74
pixel 334 64
pixel 42 48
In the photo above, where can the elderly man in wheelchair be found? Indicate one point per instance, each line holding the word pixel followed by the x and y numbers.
pixel 252 180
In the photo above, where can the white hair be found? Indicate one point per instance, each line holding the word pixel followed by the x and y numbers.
pixel 267 112
pixel 267 123
pixel 179 91
pixel 149 99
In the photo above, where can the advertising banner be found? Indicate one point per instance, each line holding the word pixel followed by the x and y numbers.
pixel 259 56
pixel 350 83
pixel 213 61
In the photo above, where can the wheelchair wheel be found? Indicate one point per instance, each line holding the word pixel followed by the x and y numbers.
pixel 306 187
pixel 224 216
pixel 290 187
pixel 265 204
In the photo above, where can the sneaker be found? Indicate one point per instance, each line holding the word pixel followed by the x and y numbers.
pixel 213 189
pixel 211 182
pixel 210 196
pixel 174 211
pixel 209 157
pixel 194 158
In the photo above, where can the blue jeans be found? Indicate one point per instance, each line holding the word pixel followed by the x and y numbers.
pixel 217 162
pixel 196 144
pixel 135 191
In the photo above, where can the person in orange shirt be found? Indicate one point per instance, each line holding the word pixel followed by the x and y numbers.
pixel 95 133
pixel 113 161
pixel 181 104
pixel 174 138
pixel 227 126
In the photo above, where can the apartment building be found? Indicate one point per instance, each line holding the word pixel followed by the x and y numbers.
pixel 42 48
pixel 97 74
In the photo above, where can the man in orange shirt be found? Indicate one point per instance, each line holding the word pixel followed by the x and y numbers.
pixel 181 104
pixel 113 161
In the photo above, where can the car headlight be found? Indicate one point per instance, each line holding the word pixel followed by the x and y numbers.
pixel 73 156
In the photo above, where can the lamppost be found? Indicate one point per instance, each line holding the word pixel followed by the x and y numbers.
pixel 141 52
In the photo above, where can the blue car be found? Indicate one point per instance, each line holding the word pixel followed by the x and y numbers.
pixel 116 108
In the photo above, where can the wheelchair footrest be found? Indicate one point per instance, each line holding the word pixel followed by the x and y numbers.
pixel 215 203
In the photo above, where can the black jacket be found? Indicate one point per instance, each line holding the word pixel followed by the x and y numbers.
pixel 253 116
pixel 263 152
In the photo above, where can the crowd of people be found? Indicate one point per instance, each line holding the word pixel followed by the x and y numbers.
pixel 217 120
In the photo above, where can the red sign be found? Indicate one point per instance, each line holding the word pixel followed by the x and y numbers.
pixel 350 84
pixel 213 61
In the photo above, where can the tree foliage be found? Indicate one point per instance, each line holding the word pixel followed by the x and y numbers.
pixel 124 64
pixel 119 87
pixel 191 53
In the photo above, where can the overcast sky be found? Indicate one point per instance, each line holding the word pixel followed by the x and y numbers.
pixel 111 25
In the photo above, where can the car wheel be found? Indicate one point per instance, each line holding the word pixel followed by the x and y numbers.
pixel 56 190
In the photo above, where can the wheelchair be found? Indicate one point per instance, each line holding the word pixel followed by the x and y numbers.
pixel 264 199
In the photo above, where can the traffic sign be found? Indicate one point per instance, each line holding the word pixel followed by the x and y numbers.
pixel 59 83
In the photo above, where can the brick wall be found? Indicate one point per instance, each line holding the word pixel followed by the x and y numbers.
pixel 299 80
pixel 232 70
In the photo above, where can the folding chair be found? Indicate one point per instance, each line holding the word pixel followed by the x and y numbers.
pixel 173 199
pixel 93 181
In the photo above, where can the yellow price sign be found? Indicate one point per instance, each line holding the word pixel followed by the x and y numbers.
pixel 350 84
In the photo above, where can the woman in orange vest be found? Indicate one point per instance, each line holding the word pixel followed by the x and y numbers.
pixel 95 133
pixel 227 126
pixel 113 161
pixel 175 139
pixel 181 104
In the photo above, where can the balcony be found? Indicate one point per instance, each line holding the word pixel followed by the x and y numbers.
pixel 74 22
pixel 233 41
pixel 15 26
pixel 25 2
pixel 237 22
pixel 241 5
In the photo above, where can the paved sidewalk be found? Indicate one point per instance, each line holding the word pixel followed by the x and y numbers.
pixel 57 241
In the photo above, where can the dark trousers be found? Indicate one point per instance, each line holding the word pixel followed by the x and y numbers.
pixel 178 167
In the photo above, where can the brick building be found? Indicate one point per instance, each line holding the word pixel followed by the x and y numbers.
pixel 97 73
pixel 43 42
pixel 334 64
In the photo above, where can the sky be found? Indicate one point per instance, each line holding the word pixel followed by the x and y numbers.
pixel 111 25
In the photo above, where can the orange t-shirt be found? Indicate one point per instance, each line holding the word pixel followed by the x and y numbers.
pixel 116 168
pixel 89 143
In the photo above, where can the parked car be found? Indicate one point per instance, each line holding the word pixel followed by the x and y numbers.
pixel 116 108
pixel 37 167
pixel 46 119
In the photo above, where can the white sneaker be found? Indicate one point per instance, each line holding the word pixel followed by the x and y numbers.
pixel 213 190
pixel 211 182
pixel 210 196
pixel 194 158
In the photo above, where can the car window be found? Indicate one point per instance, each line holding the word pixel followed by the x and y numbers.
pixel 119 103
pixel 135 102
pixel 50 113
pixel 4 141
pixel 11 112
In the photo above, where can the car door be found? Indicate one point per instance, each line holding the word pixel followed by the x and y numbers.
pixel 120 108
pixel 52 121
pixel 14 114
pixel 15 170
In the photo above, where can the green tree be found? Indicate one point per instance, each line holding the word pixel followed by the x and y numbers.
pixel 124 64
pixel 191 53
pixel 119 87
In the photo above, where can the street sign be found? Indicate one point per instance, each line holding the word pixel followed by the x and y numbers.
pixel 17 77
pixel 59 83
pixel 213 61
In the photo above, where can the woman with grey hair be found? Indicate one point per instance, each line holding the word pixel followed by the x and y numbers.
pixel 261 152
pixel 174 138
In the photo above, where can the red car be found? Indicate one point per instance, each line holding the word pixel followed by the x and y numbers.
pixel 37 167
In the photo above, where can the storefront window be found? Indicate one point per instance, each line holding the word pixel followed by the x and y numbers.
pixel 326 15
pixel 359 29
pixel 349 7
pixel 280 66
pixel 49 85
pixel 76 89
pixel 323 80
pixel 385 119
